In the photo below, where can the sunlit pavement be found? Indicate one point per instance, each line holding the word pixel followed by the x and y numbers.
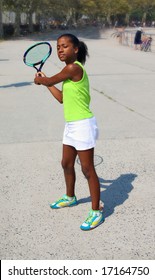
pixel 31 128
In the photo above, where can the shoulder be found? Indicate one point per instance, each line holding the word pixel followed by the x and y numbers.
pixel 74 71
pixel 74 68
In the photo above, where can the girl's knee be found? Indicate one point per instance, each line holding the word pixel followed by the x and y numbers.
pixel 87 171
pixel 67 166
pixel 64 164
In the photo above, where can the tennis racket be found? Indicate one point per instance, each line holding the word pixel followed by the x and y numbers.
pixel 36 55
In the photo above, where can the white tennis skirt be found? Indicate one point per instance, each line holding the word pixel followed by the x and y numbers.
pixel 82 135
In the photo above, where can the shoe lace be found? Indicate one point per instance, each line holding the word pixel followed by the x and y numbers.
pixel 89 218
pixel 64 198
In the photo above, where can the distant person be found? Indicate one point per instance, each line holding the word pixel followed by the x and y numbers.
pixel 138 38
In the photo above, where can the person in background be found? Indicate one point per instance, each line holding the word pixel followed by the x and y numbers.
pixel 138 38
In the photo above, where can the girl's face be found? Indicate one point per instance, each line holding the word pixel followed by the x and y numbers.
pixel 66 50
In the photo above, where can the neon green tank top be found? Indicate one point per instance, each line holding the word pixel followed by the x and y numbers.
pixel 76 98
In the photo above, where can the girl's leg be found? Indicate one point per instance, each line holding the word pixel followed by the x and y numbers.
pixel 87 164
pixel 68 160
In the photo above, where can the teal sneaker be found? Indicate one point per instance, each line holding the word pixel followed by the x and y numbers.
pixel 94 219
pixel 64 201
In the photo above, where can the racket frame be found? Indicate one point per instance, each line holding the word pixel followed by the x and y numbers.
pixel 39 62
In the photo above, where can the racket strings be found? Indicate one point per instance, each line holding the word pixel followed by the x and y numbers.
pixel 37 54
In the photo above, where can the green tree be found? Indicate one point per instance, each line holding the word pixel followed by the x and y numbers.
pixel 71 10
pixel 19 6
pixel 143 7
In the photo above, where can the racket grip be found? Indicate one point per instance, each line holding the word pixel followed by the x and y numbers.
pixel 39 76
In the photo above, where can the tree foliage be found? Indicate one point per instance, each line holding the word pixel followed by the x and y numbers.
pixel 72 10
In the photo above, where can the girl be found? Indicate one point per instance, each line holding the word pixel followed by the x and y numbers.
pixel 81 130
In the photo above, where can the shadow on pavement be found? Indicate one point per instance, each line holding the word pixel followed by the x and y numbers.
pixel 115 193
pixel 23 84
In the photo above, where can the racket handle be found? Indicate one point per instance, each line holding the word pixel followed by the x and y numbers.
pixel 39 76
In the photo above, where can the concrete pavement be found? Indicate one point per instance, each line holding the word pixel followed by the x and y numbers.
pixel 31 127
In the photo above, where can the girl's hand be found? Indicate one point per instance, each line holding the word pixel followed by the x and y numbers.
pixel 41 74
pixel 37 77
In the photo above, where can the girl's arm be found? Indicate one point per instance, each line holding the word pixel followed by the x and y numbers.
pixel 51 81
pixel 56 93
pixel 70 71
pixel 53 90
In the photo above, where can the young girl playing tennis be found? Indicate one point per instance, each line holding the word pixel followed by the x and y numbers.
pixel 81 130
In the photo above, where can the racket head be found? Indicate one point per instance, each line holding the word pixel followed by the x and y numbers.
pixel 36 55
